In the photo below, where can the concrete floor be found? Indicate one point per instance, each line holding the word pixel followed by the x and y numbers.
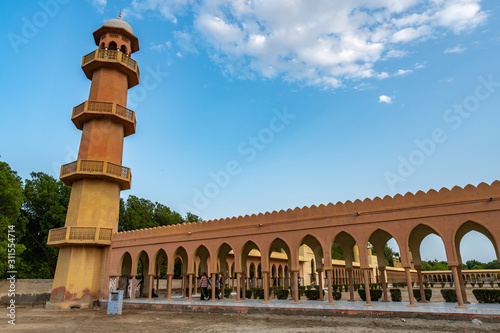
pixel 437 306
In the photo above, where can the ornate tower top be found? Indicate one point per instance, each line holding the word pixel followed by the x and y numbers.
pixel 110 32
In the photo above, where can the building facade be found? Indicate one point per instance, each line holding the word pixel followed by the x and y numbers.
pixel 291 247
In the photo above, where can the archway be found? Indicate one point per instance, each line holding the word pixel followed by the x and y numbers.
pixel 249 249
pixel 312 252
pixel 160 268
pixel 423 237
pixel 473 257
pixel 480 233
pixel 142 269
pixel 179 269
pixel 343 246
pixel 279 249
pixel 125 273
pixel 224 271
pixel 379 240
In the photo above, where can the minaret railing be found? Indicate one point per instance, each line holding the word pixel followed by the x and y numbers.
pixel 111 56
pixel 100 169
pixel 80 235
pixel 89 109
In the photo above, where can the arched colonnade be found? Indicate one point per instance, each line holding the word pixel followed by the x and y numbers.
pixel 449 214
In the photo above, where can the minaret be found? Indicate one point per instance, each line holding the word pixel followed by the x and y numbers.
pixel 97 176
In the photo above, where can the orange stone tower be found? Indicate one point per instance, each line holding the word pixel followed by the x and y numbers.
pixel 97 177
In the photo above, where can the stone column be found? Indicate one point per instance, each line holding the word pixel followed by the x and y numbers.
pixel 132 289
pixel 351 284
pixel 222 286
pixel 366 273
pixel 169 287
pixel 196 284
pixel 243 285
pixel 320 283
pixel 265 285
pixel 238 287
pixel 248 280
pixel 409 287
pixel 458 290
pixel 295 287
pixel 462 285
pixel 383 280
pixel 421 284
pixel 150 291
pixel 190 286
pixel 213 288
pixel 158 284
pixel 183 286
pixel 329 273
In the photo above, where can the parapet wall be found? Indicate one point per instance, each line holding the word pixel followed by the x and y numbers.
pixel 419 200
pixel 28 291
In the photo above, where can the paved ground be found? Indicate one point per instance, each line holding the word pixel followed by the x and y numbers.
pixel 436 306
pixel 43 320
pixel 214 317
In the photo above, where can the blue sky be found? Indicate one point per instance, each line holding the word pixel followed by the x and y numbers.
pixel 255 106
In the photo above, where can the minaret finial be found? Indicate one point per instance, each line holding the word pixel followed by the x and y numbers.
pixel 120 15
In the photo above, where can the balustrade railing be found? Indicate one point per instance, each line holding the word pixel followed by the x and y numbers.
pixel 105 108
pixel 81 168
pixel 74 235
pixel 110 55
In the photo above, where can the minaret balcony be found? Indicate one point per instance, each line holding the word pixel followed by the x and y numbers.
pixel 91 110
pixel 110 58
pixel 87 169
pixel 71 236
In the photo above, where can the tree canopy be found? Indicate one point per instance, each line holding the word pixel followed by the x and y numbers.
pixel 139 213
pixel 44 208
pixel 11 198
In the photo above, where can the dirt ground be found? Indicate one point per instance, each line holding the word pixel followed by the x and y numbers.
pixel 43 320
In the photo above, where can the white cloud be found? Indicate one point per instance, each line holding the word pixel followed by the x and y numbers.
pixel 385 99
pixel 184 40
pixel 403 72
pixel 456 49
pixel 448 80
pixel 161 46
pixel 326 44
pixel 99 4
pixel 395 54
pixel 420 65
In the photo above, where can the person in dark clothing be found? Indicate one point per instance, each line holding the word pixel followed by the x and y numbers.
pixel 203 284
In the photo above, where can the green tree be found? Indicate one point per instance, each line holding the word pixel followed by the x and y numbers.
pixel 165 216
pixel 471 263
pixel 190 217
pixel 138 213
pixel 11 197
pixel 389 255
pixel 337 252
pixel 435 265
pixel 44 208
pixel 492 265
